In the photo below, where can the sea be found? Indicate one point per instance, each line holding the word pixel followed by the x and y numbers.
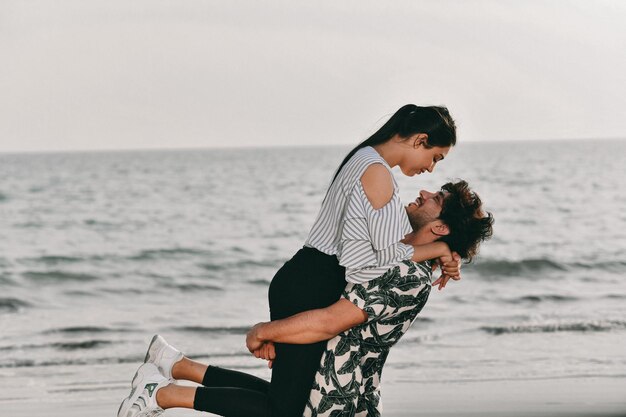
pixel 101 250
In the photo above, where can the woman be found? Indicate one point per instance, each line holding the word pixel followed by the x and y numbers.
pixel 355 238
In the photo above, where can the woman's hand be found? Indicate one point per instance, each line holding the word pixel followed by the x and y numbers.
pixel 253 341
pixel 450 265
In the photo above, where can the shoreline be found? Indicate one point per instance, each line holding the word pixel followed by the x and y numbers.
pixel 571 397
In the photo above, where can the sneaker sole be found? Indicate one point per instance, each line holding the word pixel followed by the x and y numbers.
pixel 119 410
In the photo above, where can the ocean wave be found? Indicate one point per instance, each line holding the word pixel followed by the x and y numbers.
pixel 87 329
pixel 56 259
pixel 270 263
pixel 95 222
pixel 541 298
pixel 616 296
pixel 12 304
pixel 151 254
pixel 213 267
pixel 6 281
pixel 535 266
pixel 36 189
pixel 79 293
pixel 611 266
pixel 30 363
pixel 194 287
pixel 58 276
pixel 83 345
pixel 590 326
pixel 239 249
pixel 261 282
pixel 212 330
pixel 513 268
pixel 28 225
pixel 79 345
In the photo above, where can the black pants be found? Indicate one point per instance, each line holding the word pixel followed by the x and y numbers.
pixel 309 280
pixel 233 394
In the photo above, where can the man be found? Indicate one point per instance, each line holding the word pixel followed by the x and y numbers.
pixel 381 309
pixel 371 317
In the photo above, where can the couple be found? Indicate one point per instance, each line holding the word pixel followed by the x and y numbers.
pixel 363 235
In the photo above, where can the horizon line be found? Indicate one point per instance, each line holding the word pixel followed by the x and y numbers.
pixel 279 146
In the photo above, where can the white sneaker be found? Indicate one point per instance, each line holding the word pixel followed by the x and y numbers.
pixel 142 399
pixel 163 355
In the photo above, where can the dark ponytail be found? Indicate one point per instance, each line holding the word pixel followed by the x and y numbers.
pixel 410 119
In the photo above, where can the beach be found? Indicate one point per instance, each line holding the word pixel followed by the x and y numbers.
pixel 571 397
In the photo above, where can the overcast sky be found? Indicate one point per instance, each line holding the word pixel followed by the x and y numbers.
pixel 120 74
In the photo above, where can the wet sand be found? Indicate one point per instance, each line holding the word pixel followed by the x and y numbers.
pixel 574 397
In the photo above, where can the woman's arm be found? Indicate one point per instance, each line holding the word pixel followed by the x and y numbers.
pixel 449 262
pixel 307 327
pixel 430 251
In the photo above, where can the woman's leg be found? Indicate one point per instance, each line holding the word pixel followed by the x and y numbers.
pixel 176 396
pixel 225 392
pixel 308 281
pixel 213 376
pixel 232 402
pixel 223 401
pixel 189 370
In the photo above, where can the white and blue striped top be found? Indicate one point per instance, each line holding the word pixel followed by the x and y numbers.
pixel 366 241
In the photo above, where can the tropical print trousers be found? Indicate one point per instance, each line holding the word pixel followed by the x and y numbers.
pixel 348 381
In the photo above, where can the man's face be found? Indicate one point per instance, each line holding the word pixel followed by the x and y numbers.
pixel 425 209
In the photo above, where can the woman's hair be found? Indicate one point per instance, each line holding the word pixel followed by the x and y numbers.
pixel 434 121
pixel 463 212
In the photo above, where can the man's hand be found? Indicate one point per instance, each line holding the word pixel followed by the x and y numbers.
pixel 450 268
pixel 266 351
pixel 253 341
pixel 258 347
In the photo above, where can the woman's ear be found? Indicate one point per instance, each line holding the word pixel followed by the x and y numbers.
pixel 419 139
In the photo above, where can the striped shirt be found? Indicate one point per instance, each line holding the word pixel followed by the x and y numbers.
pixel 365 240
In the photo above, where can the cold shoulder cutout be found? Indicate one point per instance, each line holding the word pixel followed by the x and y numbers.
pixel 365 236
pixel 377 184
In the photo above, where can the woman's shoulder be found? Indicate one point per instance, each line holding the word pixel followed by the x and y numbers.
pixel 378 185
pixel 360 161
pixel 367 156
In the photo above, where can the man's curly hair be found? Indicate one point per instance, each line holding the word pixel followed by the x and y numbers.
pixel 463 214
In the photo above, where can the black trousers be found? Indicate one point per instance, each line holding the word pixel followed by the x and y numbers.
pixel 233 394
pixel 309 280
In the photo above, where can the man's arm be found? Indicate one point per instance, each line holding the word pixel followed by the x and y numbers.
pixel 307 327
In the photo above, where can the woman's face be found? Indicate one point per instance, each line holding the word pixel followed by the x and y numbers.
pixel 418 159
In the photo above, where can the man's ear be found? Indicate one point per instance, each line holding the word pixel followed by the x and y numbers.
pixel 419 139
pixel 439 228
